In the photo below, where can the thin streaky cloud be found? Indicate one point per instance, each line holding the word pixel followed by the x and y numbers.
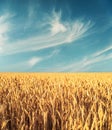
pixel 40 35
pixel 31 12
pixel 4 29
pixel 84 64
pixel 52 54
pixel 29 63
pixel 70 32
pixel 56 25
pixel 33 61
pixel 5 17
pixel 89 61
pixel 25 65
pixel 103 51
pixel 78 30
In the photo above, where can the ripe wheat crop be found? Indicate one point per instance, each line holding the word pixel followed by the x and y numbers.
pixel 36 101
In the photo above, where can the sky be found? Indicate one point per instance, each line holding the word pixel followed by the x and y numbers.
pixel 55 35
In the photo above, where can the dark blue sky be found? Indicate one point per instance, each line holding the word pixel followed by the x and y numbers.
pixel 56 35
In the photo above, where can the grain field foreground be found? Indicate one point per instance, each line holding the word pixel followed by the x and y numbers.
pixel 41 101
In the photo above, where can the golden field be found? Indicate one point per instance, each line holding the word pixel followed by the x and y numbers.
pixel 55 101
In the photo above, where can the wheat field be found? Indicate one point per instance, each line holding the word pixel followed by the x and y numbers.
pixel 55 101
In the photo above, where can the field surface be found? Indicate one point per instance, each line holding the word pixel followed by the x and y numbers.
pixel 55 101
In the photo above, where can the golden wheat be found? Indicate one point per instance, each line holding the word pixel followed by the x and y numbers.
pixel 37 101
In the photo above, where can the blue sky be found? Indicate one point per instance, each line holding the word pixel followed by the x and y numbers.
pixel 55 35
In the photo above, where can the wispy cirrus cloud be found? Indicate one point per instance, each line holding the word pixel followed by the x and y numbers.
pixel 33 61
pixel 3 38
pixel 56 25
pixel 78 30
pixel 29 63
pixel 58 33
pixel 25 65
pixel 31 13
pixel 96 57
pixel 5 17
pixel 4 27
pixel 85 63
pixel 103 51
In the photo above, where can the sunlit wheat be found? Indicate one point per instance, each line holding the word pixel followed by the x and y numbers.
pixel 66 101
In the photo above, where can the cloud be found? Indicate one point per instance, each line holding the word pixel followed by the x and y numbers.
pixel 2 39
pixel 103 51
pixel 88 61
pixel 83 64
pixel 76 66
pixel 1 50
pixel 56 25
pixel 53 53
pixel 4 29
pixel 5 17
pixel 78 30
pixel 56 33
pixel 31 12
pixel 33 61
pixel 25 65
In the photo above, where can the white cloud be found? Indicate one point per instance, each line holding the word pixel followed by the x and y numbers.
pixel 1 50
pixel 83 64
pixel 25 65
pixel 61 33
pixel 33 61
pixel 5 17
pixel 56 25
pixel 4 28
pixel 75 66
pixel 31 12
pixel 97 57
pixel 2 39
pixel 53 53
pixel 78 30
pixel 103 51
